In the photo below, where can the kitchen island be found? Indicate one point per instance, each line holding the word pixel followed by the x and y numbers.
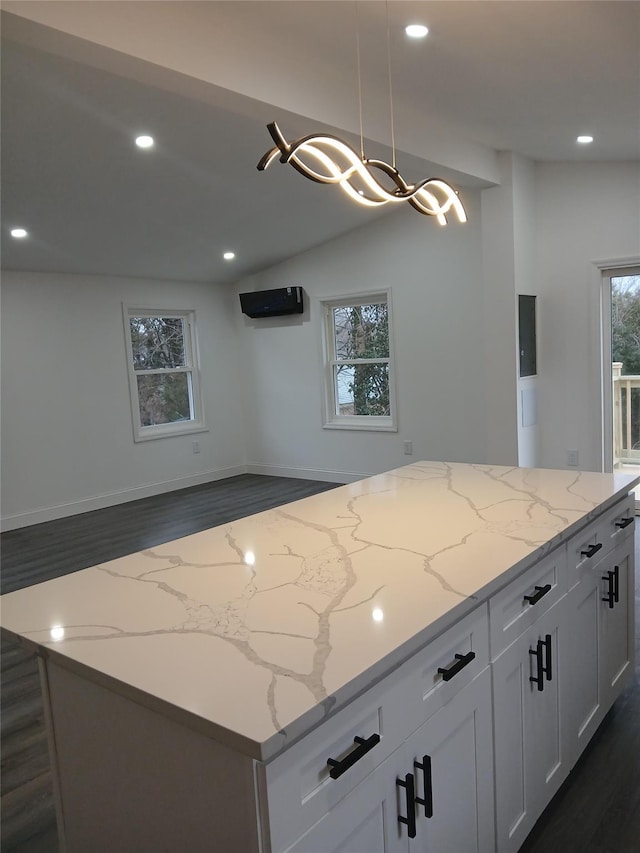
pixel 262 685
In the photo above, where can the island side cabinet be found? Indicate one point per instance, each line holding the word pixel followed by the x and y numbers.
pixel 601 620
pixel 422 744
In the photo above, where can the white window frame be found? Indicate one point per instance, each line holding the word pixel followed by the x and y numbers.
pixel 332 420
pixel 194 424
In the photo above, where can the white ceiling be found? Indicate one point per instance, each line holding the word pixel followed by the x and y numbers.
pixel 80 79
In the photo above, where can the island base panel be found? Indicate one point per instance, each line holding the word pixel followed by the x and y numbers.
pixel 131 779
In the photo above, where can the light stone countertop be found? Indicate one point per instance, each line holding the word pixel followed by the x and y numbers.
pixel 253 631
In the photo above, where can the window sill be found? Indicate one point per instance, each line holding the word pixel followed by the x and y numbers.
pixel 366 426
pixel 167 431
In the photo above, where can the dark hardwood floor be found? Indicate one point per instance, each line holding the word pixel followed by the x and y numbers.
pixel 596 811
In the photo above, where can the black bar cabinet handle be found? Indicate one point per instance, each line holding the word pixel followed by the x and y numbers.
pixel 539 677
pixel 410 793
pixel 427 800
pixel 616 584
pixel 540 591
pixel 624 522
pixel 543 647
pixel 609 597
pixel 364 746
pixel 454 669
pixel 591 550
pixel 547 669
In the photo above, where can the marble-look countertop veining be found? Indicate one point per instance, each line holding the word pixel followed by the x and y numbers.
pixel 255 630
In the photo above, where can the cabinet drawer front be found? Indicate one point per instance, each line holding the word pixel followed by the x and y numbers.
pixel 600 537
pixel 299 788
pixel 366 819
pixel 516 607
pixel 446 665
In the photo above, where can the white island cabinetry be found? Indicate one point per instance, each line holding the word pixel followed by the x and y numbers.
pixel 600 619
pixel 434 714
pixel 531 757
pixel 431 794
pixel 528 638
pixel 408 663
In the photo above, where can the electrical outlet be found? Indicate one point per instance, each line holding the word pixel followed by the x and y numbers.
pixel 572 458
pixel 195 446
pixel 408 448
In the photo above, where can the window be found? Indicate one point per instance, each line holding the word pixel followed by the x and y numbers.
pixel 358 367
pixel 163 374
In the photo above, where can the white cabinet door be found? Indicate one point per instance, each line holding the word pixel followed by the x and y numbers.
pixel 584 706
pixel 387 812
pixel 451 756
pixel 600 643
pixel 366 820
pixel 531 759
pixel 617 623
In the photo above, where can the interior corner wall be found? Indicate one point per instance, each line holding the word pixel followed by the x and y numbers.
pixel 499 316
pixel 524 230
pixel 437 297
pixel 67 437
pixel 585 212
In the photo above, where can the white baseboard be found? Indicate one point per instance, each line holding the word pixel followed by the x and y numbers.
pixel 306 473
pixel 51 513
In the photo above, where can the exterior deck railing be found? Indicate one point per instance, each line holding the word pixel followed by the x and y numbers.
pixel 626 416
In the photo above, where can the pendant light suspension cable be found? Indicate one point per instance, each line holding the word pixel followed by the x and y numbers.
pixel 393 136
pixel 326 159
pixel 359 80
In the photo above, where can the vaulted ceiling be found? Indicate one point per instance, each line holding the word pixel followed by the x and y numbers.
pixel 81 79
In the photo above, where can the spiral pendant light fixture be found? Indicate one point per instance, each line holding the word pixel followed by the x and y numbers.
pixel 327 159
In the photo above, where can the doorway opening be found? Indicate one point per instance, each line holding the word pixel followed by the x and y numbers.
pixel 622 287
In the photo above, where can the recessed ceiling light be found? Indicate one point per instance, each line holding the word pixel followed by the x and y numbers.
pixel 584 140
pixel 19 233
pixel 229 256
pixel 416 31
pixel 144 141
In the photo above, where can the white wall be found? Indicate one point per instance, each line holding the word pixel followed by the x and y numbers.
pixel 67 440
pixel 584 213
pixel 437 294
pixel 498 312
pixel 508 232
pixel 525 279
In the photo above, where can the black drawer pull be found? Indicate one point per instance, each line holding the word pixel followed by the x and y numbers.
pixel 538 678
pixel 624 522
pixel 339 767
pixel 608 596
pixel 591 550
pixel 410 819
pixel 427 800
pixel 612 578
pixel 542 669
pixel 540 591
pixel 547 670
pixel 454 669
